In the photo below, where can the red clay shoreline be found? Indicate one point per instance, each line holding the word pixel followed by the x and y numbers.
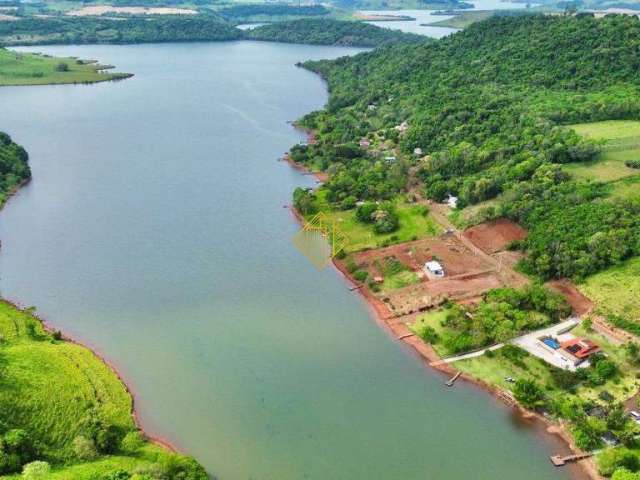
pixel 160 441
pixel 428 355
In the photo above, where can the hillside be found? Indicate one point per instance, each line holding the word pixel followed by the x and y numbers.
pixel 82 30
pixel 62 405
pixel 483 111
pixel 331 32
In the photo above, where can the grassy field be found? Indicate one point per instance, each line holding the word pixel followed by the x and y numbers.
pixel 433 319
pixel 414 224
pixel 621 142
pixel 464 19
pixel 616 290
pixel 34 69
pixel 58 391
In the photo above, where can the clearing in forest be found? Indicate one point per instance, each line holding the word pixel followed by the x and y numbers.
pixel 621 143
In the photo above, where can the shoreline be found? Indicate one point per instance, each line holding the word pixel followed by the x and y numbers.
pixel 427 355
pixel 49 327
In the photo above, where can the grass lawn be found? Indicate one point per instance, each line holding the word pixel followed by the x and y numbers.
pixel 18 68
pixel 628 188
pixel 616 290
pixel 433 319
pixel 414 224
pixel 399 280
pixel 621 143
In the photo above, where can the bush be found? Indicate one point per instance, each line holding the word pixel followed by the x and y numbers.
pixel 36 470
pixel 612 459
pixel 364 213
pixel 386 220
pixel 131 442
pixel 360 275
pixel 62 67
pixel 429 335
pixel 84 448
pixel 529 393
pixel 632 163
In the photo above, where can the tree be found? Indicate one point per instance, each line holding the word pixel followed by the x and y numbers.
pixel 62 67
pixel 529 393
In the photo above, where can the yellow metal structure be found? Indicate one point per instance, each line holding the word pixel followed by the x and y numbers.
pixel 328 228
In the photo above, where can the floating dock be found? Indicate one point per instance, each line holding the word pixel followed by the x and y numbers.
pixel 559 460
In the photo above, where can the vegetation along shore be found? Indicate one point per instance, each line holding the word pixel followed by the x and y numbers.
pixel 483 186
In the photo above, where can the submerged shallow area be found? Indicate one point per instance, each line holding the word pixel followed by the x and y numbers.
pixel 154 231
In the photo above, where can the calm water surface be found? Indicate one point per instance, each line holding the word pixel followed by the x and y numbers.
pixel 154 231
pixel 425 17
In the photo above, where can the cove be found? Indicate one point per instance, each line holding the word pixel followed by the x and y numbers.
pixel 154 231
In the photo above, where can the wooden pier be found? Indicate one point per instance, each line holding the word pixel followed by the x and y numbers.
pixel 453 379
pixel 559 460
pixel 406 335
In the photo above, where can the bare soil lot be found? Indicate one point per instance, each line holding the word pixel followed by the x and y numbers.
pixel 467 274
pixel 492 237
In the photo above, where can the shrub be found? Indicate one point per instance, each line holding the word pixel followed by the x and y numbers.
pixel 36 470
pixel 360 275
pixel 131 442
pixel 529 393
pixel 84 448
pixel 614 458
pixel 429 335
pixel 632 163
pixel 364 213
pixel 62 67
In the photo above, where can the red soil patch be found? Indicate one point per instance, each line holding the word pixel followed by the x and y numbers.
pixel 581 305
pixel 468 274
pixel 492 237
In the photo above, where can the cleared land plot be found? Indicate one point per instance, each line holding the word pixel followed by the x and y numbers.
pixel 96 10
pixel 621 143
pixel 415 223
pixel 616 290
pixel 495 236
pixel 579 303
pixel 466 274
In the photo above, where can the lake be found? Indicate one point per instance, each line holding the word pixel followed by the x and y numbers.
pixel 424 17
pixel 154 231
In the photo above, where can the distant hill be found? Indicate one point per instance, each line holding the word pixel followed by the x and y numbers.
pixel 332 32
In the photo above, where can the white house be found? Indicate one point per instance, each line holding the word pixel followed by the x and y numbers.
pixel 452 201
pixel 434 268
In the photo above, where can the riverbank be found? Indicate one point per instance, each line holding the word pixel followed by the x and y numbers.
pixel 77 414
pixel 400 331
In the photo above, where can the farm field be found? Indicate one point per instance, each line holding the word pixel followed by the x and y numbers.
pixel 616 290
pixel 621 142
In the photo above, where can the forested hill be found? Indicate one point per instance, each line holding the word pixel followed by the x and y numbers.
pixel 486 106
pixel 14 168
pixel 80 30
pixel 332 32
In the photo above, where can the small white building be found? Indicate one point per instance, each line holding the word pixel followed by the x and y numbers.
pixel 433 267
pixel 403 127
pixel 452 201
pixel 417 151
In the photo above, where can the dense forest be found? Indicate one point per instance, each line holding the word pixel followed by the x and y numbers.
pixel 480 115
pixel 14 169
pixel 331 32
pixel 78 30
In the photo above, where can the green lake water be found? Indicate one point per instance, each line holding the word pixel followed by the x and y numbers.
pixel 154 231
